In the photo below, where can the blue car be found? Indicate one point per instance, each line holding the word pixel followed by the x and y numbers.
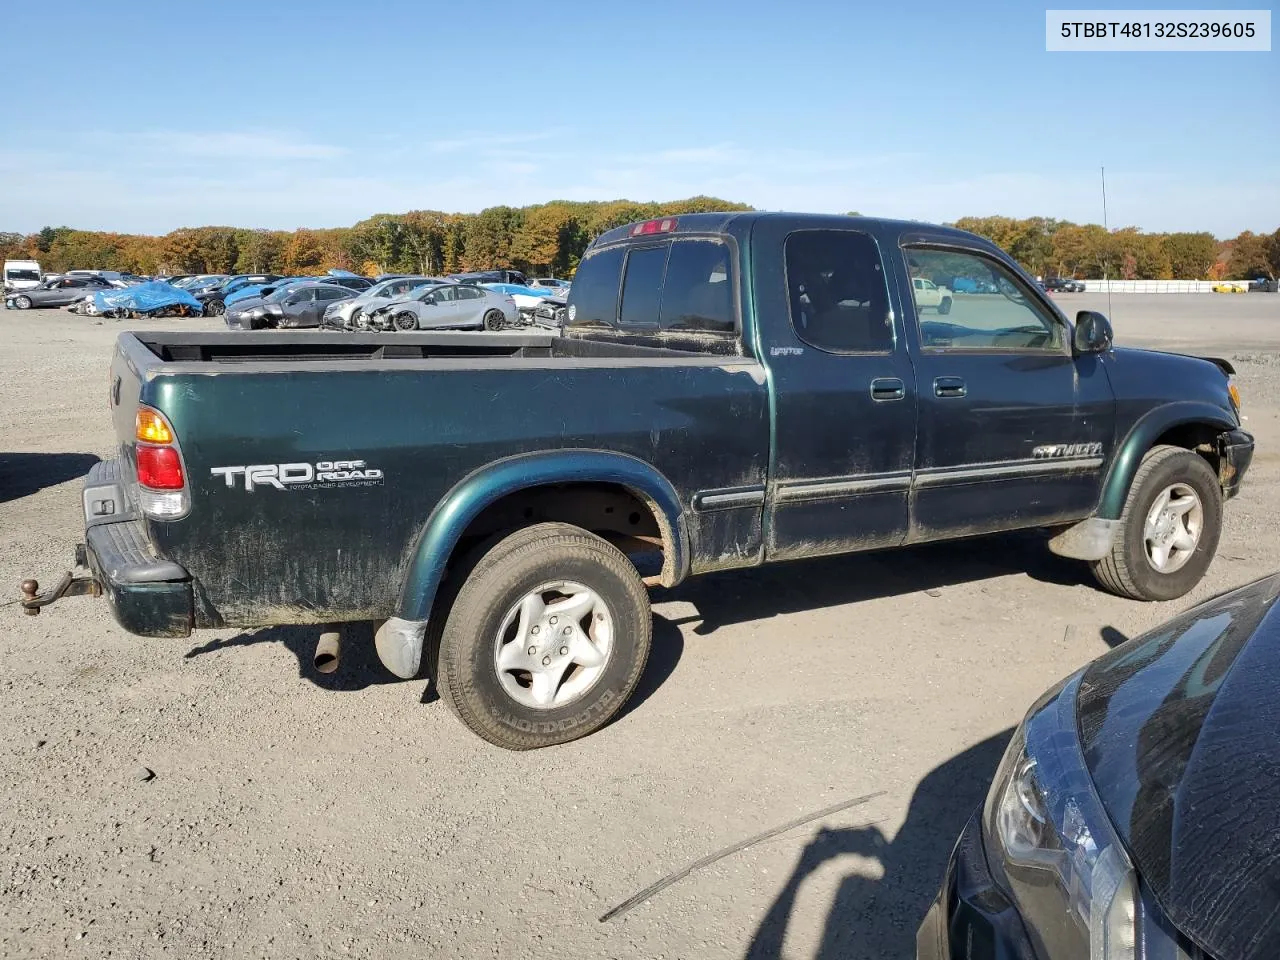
pixel 262 289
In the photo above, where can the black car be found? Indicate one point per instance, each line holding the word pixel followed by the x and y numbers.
pixel 213 297
pixel 1062 285
pixel 358 284
pixel 490 276
pixel 56 293
pixel 1135 812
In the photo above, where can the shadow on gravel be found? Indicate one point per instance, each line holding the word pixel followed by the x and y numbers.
pixel 360 667
pixel 739 596
pixel 22 474
pixel 878 918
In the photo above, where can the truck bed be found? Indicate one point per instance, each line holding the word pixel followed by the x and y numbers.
pixel 425 411
pixel 270 347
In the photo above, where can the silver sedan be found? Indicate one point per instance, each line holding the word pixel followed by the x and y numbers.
pixel 448 306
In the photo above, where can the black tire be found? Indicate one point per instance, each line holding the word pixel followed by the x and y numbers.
pixel 945 306
pixel 494 320
pixel 405 321
pixel 215 308
pixel 1127 570
pixel 465 672
pixel 22 303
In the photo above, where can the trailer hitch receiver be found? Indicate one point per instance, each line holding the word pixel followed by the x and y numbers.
pixel 68 586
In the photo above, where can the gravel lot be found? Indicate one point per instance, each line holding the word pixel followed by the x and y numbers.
pixel 296 815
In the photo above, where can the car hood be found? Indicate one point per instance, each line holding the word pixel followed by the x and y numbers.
pixel 246 303
pixel 1179 729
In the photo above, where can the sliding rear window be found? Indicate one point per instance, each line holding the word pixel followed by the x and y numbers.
pixel 679 285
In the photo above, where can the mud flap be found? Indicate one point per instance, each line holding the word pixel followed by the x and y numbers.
pixel 399 646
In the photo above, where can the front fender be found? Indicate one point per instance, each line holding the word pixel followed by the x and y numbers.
pixel 1141 438
pixel 474 493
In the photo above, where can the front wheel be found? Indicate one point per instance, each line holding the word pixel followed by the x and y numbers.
pixel 22 303
pixel 405 321
pixel 215 308
pixel 546 638
pixel 1168 530
pixel 494 320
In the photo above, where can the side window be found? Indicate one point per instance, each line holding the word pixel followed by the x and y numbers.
pixel 697 293
pixel 642 285
pixel 470 293
pixel 593 301
pixel 837 292
pixel 445 294
pixel 324 294
pixel 1006 319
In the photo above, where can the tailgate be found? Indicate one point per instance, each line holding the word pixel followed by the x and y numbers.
pixel 129 365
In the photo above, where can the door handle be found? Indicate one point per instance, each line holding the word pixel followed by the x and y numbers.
pixel 949 387
pixel 888 388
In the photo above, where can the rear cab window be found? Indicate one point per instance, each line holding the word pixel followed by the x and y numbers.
pixel 677 285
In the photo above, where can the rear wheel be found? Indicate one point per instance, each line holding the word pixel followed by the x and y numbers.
pixel 22 303
pixel 546 638
pixel 945 306
pixel 405 321
pixel 1169 528
pixel 494 320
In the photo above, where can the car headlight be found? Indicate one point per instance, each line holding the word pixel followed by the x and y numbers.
pixel 1050 844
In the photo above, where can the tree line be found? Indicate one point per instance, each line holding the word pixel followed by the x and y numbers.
pixel 550 238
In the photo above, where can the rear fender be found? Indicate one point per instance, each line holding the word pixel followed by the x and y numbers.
pixel 1115 488
pixel 477 491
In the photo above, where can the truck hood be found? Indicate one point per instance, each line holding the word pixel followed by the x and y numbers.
pixel 1179 729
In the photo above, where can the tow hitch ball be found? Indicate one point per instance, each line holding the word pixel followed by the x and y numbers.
pixel 69 586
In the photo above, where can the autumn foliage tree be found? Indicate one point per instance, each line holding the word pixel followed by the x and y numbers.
pixel 550 239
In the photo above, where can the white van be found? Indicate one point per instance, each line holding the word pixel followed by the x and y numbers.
pixel 21 274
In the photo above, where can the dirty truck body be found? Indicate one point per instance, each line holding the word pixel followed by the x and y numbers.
pixel 729 390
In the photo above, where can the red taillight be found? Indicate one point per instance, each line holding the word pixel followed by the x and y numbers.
pixel 666 225
pixel 159 468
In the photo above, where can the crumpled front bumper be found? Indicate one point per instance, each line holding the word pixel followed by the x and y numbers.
pixel 1235 449
pixel 971 918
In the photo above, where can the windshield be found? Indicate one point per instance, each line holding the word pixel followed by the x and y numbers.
pixel 22 275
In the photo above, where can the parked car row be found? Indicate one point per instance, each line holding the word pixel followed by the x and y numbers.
pixel 338 299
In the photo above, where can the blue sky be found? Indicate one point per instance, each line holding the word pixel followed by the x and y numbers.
pixel 251 114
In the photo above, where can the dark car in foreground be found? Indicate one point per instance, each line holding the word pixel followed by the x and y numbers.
pixel 1135 813
pixel 56 293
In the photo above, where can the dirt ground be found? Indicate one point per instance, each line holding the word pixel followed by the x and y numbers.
pixel 296 815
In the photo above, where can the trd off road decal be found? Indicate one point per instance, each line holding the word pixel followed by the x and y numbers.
pixel 301 476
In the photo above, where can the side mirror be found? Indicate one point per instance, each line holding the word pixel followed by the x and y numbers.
pixel 429 298
pixel 1093 333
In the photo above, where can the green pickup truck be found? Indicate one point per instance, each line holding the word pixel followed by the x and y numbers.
pixel 728 390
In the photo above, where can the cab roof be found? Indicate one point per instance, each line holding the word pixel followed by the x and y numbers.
pixel 705 223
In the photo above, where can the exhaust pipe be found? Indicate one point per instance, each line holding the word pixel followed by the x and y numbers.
pixel 328 651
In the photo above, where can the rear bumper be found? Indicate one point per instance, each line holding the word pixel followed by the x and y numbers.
pixel 149 596
pixel 1236 453
pixel 971 917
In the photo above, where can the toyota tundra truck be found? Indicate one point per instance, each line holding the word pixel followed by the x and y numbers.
pixel 728 390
